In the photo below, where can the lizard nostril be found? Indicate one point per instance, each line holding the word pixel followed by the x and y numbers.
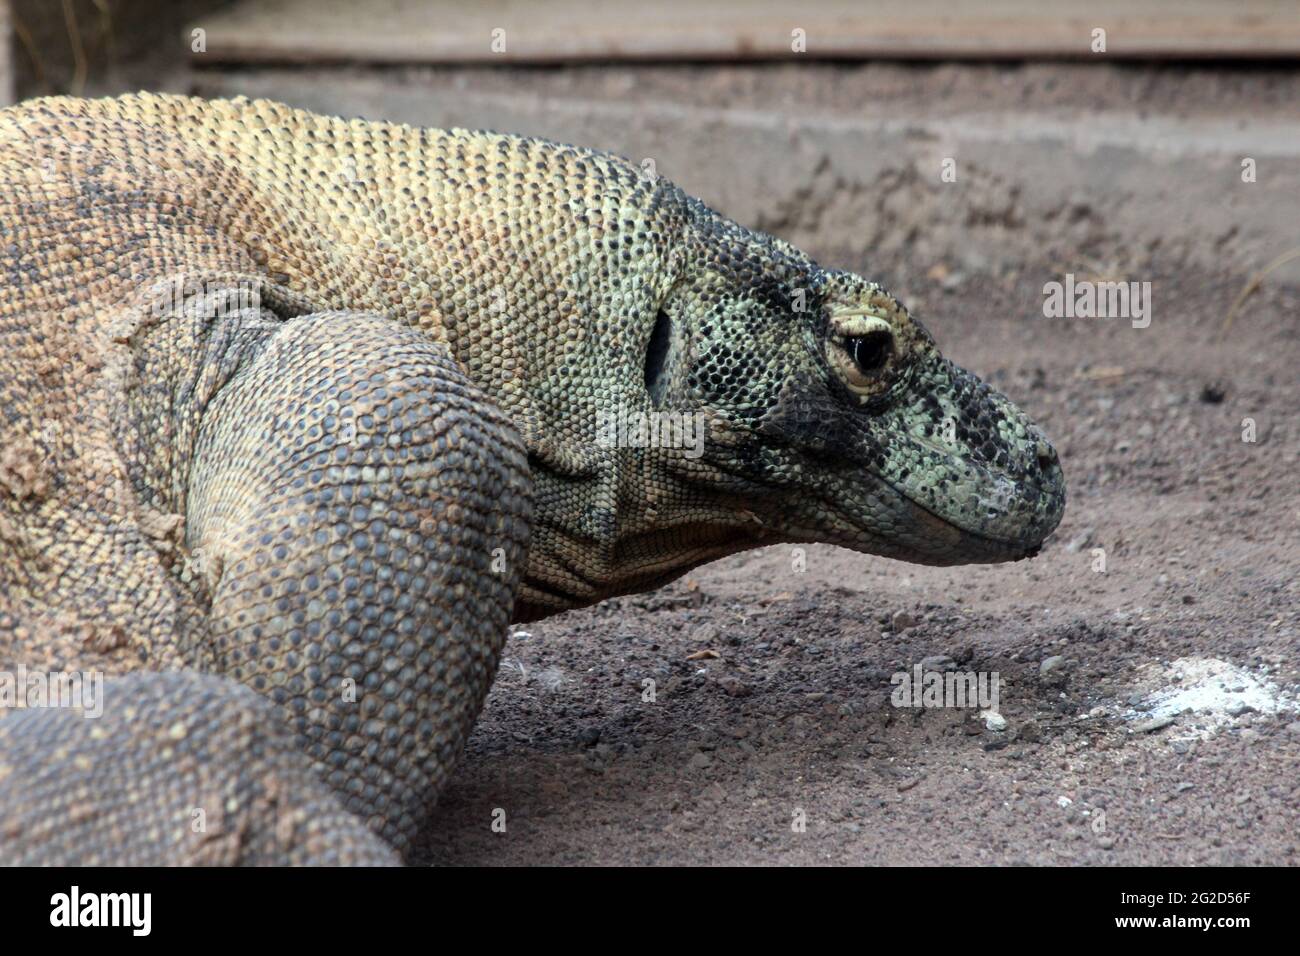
pixel 1046 455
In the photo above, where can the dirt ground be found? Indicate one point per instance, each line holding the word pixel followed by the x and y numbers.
pixel 1150 709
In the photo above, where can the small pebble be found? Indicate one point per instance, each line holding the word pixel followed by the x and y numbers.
pixel 1155 723
pixel 938 662
pixel 1049 664
pixel 734 686
pixel 902 619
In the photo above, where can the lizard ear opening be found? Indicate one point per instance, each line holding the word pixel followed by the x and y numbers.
pixel 656 357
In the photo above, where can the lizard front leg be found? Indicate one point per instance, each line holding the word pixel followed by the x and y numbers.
pixel 363 514
pixel 175 768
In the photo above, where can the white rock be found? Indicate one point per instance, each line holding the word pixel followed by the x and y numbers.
pixel 993 720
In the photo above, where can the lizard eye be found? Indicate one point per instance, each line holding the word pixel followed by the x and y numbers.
pixel 870 352
pixel 860 349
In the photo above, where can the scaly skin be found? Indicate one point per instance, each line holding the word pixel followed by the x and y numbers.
pixel 314 407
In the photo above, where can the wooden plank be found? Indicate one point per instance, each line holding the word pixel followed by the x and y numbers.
pixel 454 31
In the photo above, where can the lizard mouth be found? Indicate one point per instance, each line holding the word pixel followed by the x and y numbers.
pixel 994 548
pixel 924 536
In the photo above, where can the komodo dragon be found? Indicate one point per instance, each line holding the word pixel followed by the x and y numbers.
pixel 297 414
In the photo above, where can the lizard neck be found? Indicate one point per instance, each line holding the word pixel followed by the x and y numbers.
pixel 619 520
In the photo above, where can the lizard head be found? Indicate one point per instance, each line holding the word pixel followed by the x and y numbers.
pixel 832 414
